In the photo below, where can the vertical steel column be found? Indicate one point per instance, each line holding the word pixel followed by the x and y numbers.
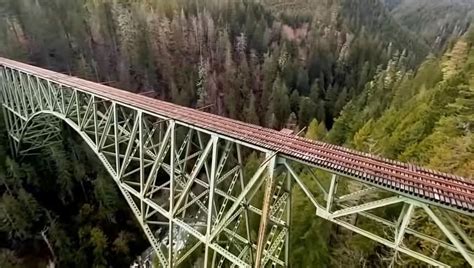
pixel 242 185
pixel 22 88
pixel 116 139
pixel 15 91
pixel 332 192
pixel 212 185
pixel 94 111
pixel 288 219
pixel 265 212
pixel 172 186
pixel 78 110
pixel 141 151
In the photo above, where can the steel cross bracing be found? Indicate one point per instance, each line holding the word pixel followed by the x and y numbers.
pixel 186 184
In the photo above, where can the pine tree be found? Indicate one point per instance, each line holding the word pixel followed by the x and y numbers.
pixel 302 82
pixel 464 107
pixel 362 140
pixel 98 241
pixel 341 101
pixel 455 58
pixel 310 246
pixel 106 193
pixel 322 131
pixel 312 131
pixel 306 111
pixel 63 167
pixel 270 71
pixel 279 104
pixel 295 101
pixel 316 131
pixel 201 83
pixel 121 243
pixel 250 112
pixel 17 222
pixel 316 93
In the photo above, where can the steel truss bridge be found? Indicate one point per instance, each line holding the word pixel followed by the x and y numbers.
pixel 182 173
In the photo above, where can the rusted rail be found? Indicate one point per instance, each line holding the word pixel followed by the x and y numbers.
pixel 407 179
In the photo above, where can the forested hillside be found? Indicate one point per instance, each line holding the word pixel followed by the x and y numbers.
pixel 388 77
pixel 435 22
pixel 235 55
pixel 60 205
pixel 417 116
pixel 424 117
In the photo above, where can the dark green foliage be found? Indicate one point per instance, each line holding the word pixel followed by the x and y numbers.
pixel 80 212
pixel 343 64
pixel 309 233
pixel 316 131
pixel 279 104
pixel 442 21
pixel 424 119
pixel 306 112
pixel 227 54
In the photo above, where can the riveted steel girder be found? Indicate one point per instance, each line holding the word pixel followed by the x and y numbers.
pixel 188 188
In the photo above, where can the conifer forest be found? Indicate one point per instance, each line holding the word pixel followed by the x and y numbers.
pixel 394 78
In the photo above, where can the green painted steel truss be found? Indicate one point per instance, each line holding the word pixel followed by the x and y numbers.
pixel 187 185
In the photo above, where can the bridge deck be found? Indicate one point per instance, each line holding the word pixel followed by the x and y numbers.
pixel 407 179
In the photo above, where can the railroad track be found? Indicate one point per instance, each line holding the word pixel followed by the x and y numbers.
pixel 410 180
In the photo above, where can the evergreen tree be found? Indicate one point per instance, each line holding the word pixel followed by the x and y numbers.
pixel 464 107
pixel 295 101
pixel 312 131
pixel 425 119
pixel 279 104
pixel 302 81
pixel 99 242
pixel 242 58
pixel 316 131
pixel 306 112
pixel 251 111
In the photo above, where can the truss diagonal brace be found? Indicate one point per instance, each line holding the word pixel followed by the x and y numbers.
pixel 450 235
pixel 158 160
pixel 195 172
pixel 303 187
pixel 400 232
pixel 459 230
pixel 239 200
